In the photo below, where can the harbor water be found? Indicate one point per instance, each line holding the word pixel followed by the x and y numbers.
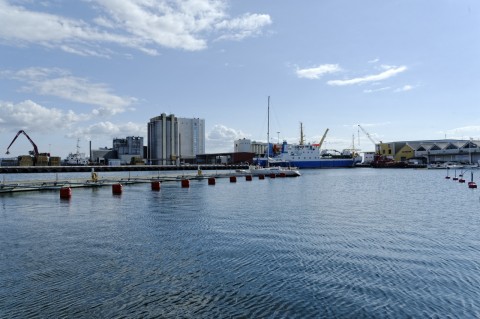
pixel 340 243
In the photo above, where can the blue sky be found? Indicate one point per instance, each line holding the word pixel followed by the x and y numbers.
pixel 99 69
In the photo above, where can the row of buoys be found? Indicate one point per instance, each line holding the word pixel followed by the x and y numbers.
pixel 460 179
pixel 66 192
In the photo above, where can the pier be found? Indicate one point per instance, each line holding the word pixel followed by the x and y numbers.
pixel 104 168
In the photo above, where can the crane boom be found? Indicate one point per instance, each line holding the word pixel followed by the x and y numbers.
pixel 323 138
pixel 35 149
pixel 368 135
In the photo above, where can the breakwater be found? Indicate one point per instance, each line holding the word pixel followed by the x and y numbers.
pixel 133 168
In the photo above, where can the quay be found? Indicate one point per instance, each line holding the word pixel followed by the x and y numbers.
pixel 104 168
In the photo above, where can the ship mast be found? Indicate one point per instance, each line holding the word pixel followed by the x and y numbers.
pixel 268 132
pixel 301 134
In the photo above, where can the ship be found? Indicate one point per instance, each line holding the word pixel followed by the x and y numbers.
pixel 308 155
pixel 77 158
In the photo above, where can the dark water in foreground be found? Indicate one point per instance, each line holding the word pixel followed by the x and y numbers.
pixel 345 243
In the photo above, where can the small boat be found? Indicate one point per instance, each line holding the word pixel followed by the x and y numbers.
pixel 277 170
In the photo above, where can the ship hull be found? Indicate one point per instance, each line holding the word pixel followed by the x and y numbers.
pixel 326 163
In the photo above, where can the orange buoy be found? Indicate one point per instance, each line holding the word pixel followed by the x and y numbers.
pixel 233 179
pixel 185 183
pixel 272 175
pixel 65 192
pixel 261 176
pixel 248 177
pixel 156 186
pixel 117 188
pixel 211 181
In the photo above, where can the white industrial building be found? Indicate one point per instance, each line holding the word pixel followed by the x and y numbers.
pixel 246 145
pixel 173 140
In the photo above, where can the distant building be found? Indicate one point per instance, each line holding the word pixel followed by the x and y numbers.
pixel 432 151
pixel 128 148
pixel 103 155
pixel 173 140
pixel 192 138
pixel 246 145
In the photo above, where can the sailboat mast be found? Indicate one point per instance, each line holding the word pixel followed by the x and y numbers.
pixel 268 131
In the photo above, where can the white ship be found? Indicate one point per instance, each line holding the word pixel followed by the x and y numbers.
pixel 78 159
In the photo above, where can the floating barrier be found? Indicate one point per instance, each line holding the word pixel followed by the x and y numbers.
pixel 117 189
pixel 155 186
pixel 65 192
pixel 116 183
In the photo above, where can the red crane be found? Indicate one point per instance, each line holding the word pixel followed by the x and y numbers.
pixel 35 149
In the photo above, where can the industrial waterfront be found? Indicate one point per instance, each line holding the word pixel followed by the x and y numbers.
pixel 343 243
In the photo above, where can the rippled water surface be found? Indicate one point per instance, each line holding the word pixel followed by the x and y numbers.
pixel 344 243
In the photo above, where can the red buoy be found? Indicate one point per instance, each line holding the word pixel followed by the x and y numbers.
pixel 65 192
pixel 233 179
pixel 211 181
pixel 185 183
pixel 461 180
pixel 261 176
pixel 248 177
pixel 282 175
pixel 272 175
pixel 155 186
pixel 472 185
pixel 117 188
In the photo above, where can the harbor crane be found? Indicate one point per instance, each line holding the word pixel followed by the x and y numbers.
pixel 323 138
pixel 369 136
pixel 35 152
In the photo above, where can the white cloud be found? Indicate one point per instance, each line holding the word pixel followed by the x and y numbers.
pixel 318 71
pixel 110 130
pixel 405 88
pixel 221 138
pixel 390 72
pixel 144 25
pixel 29 115
pixel 377 90
pixel 60 83
pixel 247 25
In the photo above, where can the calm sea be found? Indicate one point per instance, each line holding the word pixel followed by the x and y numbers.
pixel 340 243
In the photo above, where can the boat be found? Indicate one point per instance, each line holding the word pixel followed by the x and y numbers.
pixel 77 158
pixel 309 155
pixel 277 169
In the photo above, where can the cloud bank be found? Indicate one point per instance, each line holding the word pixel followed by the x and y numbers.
pixel 138 24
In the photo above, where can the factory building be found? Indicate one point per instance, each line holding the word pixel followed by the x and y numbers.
pixel 129 150
pixel 246 145
pixel 173 140
pixel 432 151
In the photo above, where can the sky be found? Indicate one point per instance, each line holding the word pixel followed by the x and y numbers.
pixel 75 72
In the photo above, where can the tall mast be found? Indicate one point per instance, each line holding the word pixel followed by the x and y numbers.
pixel 268 131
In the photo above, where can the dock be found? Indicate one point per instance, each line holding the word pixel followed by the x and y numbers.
pixel 58 184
